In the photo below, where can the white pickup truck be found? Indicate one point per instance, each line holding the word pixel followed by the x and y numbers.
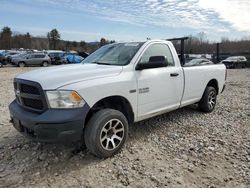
pixel 119 84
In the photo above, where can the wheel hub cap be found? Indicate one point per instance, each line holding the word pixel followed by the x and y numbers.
pixel 112 134
pixel 212 99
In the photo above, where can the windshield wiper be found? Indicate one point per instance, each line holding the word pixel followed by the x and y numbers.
pixel 101 63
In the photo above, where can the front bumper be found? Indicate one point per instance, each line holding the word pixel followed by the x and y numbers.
pixel 53 125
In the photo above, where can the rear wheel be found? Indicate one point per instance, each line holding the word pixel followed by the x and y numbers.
pixel 21 64
pixel 208 100
pixel 106 133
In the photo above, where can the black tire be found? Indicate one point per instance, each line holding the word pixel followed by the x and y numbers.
pixel 97 130
pixel 45 63
pixel 208 100
pixel 1 65
pixel 21 64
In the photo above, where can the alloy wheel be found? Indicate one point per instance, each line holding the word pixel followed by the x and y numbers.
pixel 112 134
pixel 211 99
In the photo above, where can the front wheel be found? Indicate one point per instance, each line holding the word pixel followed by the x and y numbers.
pixel 106 133
pixel 45 64
pixel 208 100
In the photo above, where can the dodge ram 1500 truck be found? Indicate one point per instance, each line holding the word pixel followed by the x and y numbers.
pixel 115 86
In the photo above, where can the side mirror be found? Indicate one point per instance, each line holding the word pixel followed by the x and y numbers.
pixel 154 62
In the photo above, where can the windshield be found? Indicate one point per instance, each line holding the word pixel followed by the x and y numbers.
pixel 114 54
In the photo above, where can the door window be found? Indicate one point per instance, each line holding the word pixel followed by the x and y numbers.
pixel 158 50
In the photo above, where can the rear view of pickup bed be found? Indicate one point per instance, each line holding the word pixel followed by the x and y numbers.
pixel 115 86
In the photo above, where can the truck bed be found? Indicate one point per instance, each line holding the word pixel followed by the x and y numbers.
pixel 197 77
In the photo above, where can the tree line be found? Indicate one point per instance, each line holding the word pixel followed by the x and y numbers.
pixel 198 44
pixel 53 41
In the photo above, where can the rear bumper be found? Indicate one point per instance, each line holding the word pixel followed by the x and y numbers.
pixel 53 125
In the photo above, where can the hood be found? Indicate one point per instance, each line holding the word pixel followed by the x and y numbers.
pixel 55 77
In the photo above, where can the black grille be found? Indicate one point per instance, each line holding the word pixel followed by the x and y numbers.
pixel 29 89
pixel 33 103
pixel 30 95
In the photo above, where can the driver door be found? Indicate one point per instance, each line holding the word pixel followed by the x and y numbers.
pixel 159 89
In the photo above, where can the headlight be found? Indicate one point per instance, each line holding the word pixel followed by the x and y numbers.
pixel 64 99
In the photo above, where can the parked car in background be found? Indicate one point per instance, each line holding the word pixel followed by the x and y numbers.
pixel 56 57
pixel 11 57
pixel 74 58
pixel 2 60
pixel 17 57
pixel 33 59
pixel 5 55
pixel 8 55
pixel 235 62
pixel 198 61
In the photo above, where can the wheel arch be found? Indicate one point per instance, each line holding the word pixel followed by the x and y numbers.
pixel 213 83
pixel 115 102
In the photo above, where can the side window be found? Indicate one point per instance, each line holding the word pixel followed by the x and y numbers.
pixel 158 50
pixel 39 56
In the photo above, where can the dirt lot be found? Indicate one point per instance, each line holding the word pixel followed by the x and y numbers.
pixel 184 148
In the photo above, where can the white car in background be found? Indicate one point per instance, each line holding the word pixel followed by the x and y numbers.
pixel 235 62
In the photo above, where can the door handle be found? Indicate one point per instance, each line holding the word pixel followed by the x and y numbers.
pixel 174 74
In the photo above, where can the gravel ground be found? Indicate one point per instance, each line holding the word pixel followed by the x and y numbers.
pixel 184 148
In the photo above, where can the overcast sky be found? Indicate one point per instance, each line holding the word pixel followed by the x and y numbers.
pixel 126 20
